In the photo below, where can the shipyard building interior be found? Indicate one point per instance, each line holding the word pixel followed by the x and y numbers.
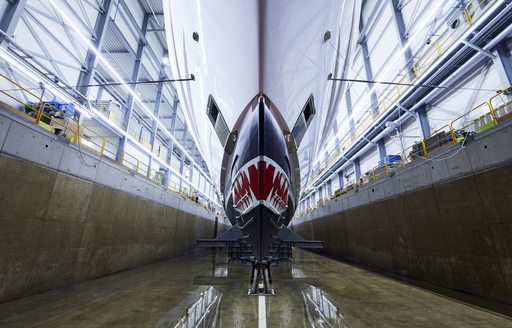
pixel 259 163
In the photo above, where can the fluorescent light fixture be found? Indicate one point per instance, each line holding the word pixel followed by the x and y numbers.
pixel 87 113
pixel 144 150
pixel 119 79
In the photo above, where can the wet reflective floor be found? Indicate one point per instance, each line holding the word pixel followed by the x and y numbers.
pixel 202 288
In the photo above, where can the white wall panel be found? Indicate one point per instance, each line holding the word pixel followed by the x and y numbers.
pixel 369 160
pixel 458 102
pixel 412 11
pixel 368 8
pixel 127 31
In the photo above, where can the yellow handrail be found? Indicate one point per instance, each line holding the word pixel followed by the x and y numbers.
pixel 471 12
pixel 82 135
pixel 454 138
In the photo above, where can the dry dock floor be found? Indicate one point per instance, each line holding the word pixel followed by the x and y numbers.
pixel 155 295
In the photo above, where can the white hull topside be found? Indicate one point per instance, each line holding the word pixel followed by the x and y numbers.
pixel 247 47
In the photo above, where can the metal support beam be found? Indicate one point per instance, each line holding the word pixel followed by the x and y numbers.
pixel 404 35
pixel 191 175
pixel 369 76
pixel 406 110
pixel 135 74
pixel 482 51
pixel 140 32
pixel 381 146
pixel 182 167
pixel 368 66
pixel 348 100
pixel 120 149
pixel 340 179
pixel 375 14
pixel 99 94
pixel 423 121
pixel 170 148
pixel 357 168
pixel 89 67
pixel 505 56
pixel 369 141
pixel 11 17
pixel 174 118
pixel 156 111
pixel 135 77
pixel 183 156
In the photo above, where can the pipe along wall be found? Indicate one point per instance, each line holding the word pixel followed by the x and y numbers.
pixel 446 221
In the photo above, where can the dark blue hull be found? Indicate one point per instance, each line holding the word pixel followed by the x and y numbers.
pixel 260 191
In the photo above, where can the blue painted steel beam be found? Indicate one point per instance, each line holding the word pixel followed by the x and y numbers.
pixel 170 148
pixel 156 111
pixel 11 17
pixel 423 121
pixel 183 156
pixel 369 76
pixel 368 69
pixel 135 77
pixel 87 74
pixel 348 100
pixel 382 148
pixel 154 126
pixel 340 179
pixel 135 74
pixel 505 55
pixel 404 35
pixel 357 168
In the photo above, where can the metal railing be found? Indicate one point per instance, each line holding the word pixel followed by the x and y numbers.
pixel 461 23
pixel 497 109
pixel 44 115
pixel 501 104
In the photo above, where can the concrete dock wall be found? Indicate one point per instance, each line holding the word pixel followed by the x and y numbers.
pixel 62 221
pixel 447 221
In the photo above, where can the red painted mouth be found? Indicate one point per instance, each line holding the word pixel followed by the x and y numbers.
pixel 246 190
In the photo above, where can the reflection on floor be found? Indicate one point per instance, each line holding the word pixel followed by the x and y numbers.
pixel 202 289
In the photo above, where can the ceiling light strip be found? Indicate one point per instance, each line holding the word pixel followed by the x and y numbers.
pixel 126 86
pixel 36 77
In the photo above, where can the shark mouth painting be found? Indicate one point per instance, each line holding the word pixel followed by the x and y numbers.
pixel 260 181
